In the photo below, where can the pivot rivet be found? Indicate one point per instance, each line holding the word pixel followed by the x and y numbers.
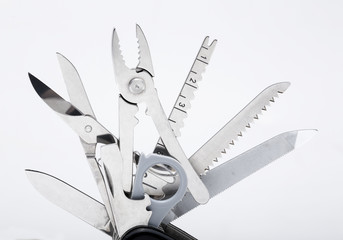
pixel 137 85
pixel 88 128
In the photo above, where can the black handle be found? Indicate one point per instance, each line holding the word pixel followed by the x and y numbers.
pixel 145 233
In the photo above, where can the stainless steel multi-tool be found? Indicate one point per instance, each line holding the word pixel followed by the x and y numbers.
pixel 143 193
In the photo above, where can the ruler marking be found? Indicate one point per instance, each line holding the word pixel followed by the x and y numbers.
pixel 201 61
pixel 191 85
pixel 185 95
pixel 171 120
pixel 180 109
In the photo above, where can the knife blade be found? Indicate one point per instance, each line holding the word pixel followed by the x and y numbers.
pixel 72 200
pixel 87 208
pixel 229 173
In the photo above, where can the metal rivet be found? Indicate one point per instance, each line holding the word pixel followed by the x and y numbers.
pixel 137 85
pixel 88 128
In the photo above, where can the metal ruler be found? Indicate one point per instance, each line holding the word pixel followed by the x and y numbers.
pixel 182 104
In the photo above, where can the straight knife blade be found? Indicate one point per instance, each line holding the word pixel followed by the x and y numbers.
pixel 71 199
pixel 229 173
pixel 51 187
pixel 213 148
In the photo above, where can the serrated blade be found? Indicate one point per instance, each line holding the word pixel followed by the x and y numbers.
pixel 71 199
pixel 214 147
pixel 229 173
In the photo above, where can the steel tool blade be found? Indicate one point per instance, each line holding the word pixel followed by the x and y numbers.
pixel 52 99
pixel 89 130
pixel 127 123
pixel 71 199
pixel 214 147
pixel 76 91
pixel 191 85
pixel 224 176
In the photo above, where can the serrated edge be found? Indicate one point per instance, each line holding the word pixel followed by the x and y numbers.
pixel 198 164
pixel 119 64
pixel 144 62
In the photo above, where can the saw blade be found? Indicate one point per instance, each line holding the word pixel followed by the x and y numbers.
pixel 213 148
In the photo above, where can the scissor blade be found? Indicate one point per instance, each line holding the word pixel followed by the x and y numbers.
pixel 71 199
pixel 229 173
pixel 145 61
pixel 52 99
pixel 76 91
pixel 214 147
pixel 88 129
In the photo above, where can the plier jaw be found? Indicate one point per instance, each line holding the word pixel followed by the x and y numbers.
pixel 134 83
pixel 144 59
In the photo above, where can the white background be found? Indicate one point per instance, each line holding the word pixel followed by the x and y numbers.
pixel 259 43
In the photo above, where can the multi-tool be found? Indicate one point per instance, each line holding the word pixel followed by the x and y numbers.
pixel 143 193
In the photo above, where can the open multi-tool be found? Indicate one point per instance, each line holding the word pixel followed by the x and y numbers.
pixel 143 193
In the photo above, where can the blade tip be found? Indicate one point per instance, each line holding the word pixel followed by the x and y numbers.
pixel 285 85
pixel 305 135
pixel 37 84
pixel 29 173
pixel 60 56
pixel 30 75
pixel 34 80
pixel 138 28
pixel 114 35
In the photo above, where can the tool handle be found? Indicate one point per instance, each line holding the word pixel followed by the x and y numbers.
pixel 146 233
pixel 170 232
pixel 176 233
